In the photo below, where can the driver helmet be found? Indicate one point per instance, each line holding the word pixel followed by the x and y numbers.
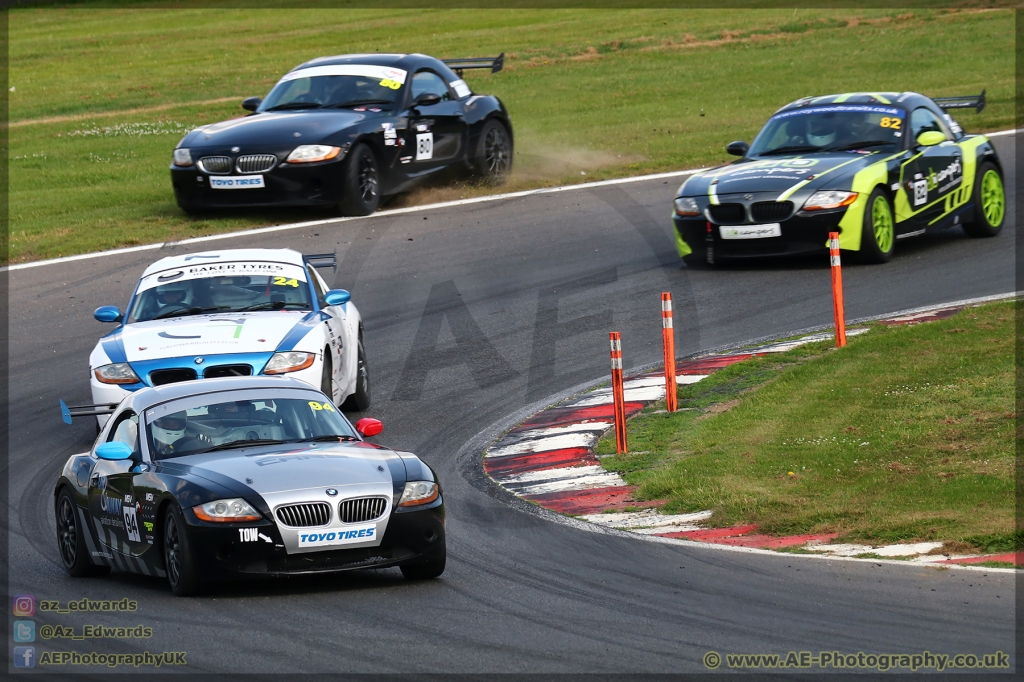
pixel 171 296
pixel 169 429
pixel 821 130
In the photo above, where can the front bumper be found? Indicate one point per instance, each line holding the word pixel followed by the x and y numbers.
pixel 221 553
pixel 315 184
pixel 802 233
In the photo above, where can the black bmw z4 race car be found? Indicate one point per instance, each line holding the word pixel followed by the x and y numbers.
pixel 875 167
pixel 211 480
pixel 346 131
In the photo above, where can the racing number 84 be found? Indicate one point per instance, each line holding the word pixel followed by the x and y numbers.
pixel 320 406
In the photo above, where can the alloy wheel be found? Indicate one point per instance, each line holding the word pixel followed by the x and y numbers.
pixel 496 154
pixel 993 200
pixel 881 222
pixel 172 551
pixel 68 532
pixel 367 178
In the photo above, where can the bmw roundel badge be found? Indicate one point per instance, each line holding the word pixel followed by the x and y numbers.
pixel 199 361
pixel 236 149
pixel 332 491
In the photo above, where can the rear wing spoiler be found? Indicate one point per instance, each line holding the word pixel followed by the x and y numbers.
pixel 495 64
pixel 85 410
pixel 322 260
pixel 976 102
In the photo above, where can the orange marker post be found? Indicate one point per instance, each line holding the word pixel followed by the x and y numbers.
pixel 668 334
pixel 617 394
pixel 837 289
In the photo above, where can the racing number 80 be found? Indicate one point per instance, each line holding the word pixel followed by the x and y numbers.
pixel 388 83
pixel 892 122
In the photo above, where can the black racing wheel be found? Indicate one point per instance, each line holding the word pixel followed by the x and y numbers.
pixel 71 539
pixel 360 191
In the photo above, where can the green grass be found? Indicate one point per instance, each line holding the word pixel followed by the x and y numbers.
pixel 607 93
pixel 904 435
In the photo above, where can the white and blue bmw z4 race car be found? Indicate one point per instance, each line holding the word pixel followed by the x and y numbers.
pixel 238 312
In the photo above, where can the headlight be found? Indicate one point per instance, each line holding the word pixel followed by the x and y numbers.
pixel 418 492
pixel 227 511
pixel 309 153
pixel 822 201
pixel 182 156
pixel 291 361
pixel 117 373
pixel 686 206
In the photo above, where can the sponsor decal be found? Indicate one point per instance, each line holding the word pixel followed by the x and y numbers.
pixel 390 135
pixel 751 231
pixel 460 88
pixel 148 525
pixel 231 182
pixel 149 497
pixel 364 70
pixel 340 537
pixel 110 505
pixel 199 270
pixel 839 108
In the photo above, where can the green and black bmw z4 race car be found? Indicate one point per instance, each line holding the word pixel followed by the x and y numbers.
pixel 875 167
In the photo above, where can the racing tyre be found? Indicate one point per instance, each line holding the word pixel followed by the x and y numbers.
pixel 326 377
pixel 426 570
pixel 360 400
pixel 179 561
pixel 493 158
pixel 71 539
pixel 360 191
pixel 878 239
pixel 989 202
pixel 698 260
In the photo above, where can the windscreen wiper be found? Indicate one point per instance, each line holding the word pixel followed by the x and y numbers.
pixel 324 439
pixel 272 305
pixel 793 148
pixel 859 145
pixel 295 105
pixel 188 311
pixel 359 102
pixel 230 445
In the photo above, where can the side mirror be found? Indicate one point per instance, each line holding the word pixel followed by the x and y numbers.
pixel 107 313
pixel 114 450
pixel 337 297
pixel 426 99
pixel 930 138
pixel 737 148
pixel 251 103
pixel 368 426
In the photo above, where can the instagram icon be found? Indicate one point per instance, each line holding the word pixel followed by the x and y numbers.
pixel 24 605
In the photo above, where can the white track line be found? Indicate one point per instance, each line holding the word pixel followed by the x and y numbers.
pixel 396 211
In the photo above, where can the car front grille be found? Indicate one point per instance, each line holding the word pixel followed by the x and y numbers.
pixel 227 371
pixel 171 376
pixel 727 214
pixel 215 165
pixel 771 211
pixel 304 515
pixel 255 163
pixel 361 509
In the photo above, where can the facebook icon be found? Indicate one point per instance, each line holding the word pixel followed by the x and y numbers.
pixel 24 657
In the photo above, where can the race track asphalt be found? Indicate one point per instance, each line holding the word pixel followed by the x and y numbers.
pixel 472 313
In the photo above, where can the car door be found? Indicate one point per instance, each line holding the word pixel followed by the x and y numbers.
pixel 932 173
pixel 112 501
pixel 437 133
pixel 335 325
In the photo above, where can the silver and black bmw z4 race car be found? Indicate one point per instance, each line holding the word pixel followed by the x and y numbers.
pixel 208 480
pixel 875 167
pixel 347 131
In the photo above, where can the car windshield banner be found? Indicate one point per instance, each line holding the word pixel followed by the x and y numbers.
pixel 364 70
pixel 239 269
pixel 839 108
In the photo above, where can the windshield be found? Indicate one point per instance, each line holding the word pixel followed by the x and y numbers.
pixel 831 128
pixel 219 294
pixel 340 85
pixel 242 423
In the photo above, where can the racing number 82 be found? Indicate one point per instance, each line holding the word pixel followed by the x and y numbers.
pixel 888 122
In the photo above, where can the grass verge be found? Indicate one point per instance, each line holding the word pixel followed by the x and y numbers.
pixel 904 435
pixel 99 97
